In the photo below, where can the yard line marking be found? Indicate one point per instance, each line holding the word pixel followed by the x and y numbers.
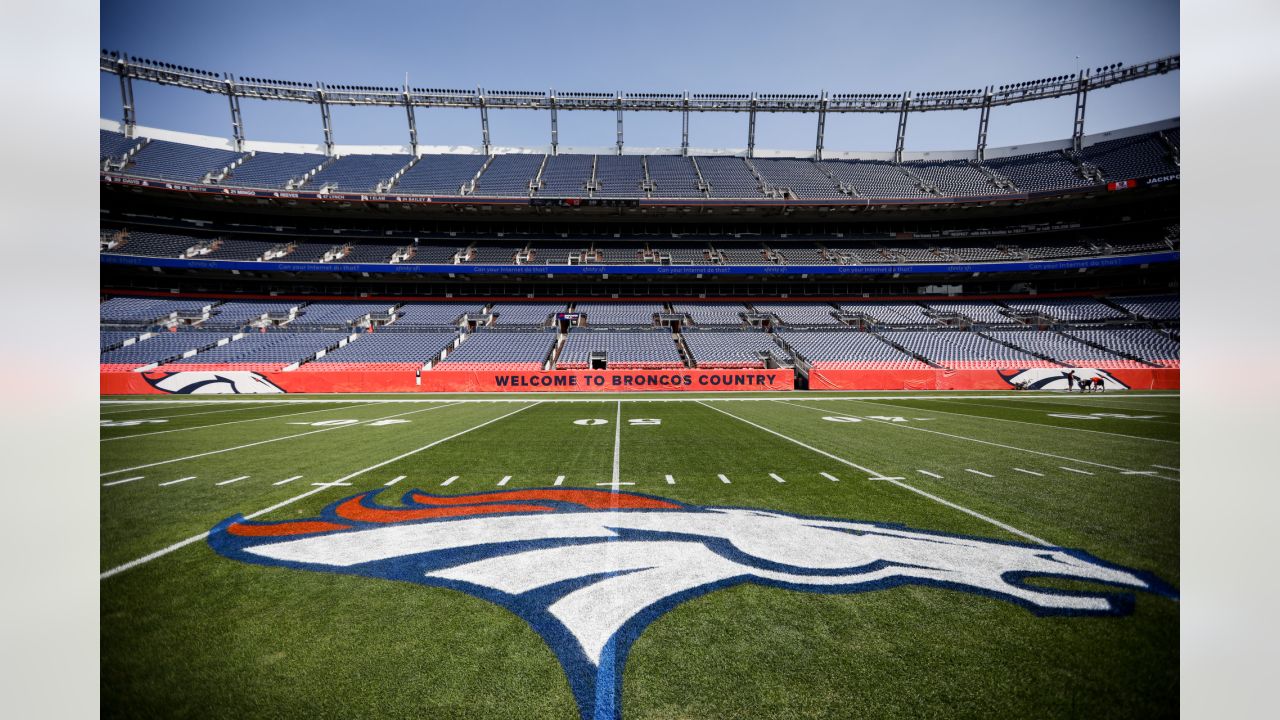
pixel 1139 472
pixel 671 480
pixel 885 477
pixel 559 480
pixel 1025 422
pixel 978 472
pixel 121 482
pixel 985 442
pixel 234 479
pixel 932 475
pixel 830 477
pixel 269 440
pixel 723 479
pixel 175 482
pixel 775 477
pixel 617 446
pixel 287 480
pixel 394 480
pixel 1065 407
pixel 449 480
pixel 615 484
pixel 505 479
pixel 899 483
pixel 229 422
pixel 196 538
pixel 1082 472
pixel 335 483
pixel 1165 467
pixel 183 415
pixel 1030 472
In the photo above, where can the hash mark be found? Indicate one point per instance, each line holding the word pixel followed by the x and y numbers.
pixel 830 477
pixel 723 479
pixel 121 482
pixel 671 480
pixel 1030 472
pixel 559 480
pixel 394 480
pixel 932 475
pixel 175 482
pixel 1082 472
pixel 978 472
pixel 505 479
pixel 287 480
pixel 775 477
pixel 234 479
pixel 451 479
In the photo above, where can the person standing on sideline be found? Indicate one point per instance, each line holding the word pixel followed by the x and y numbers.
pixel 1071 379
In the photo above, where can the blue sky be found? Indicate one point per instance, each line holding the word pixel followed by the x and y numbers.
pixel 743 46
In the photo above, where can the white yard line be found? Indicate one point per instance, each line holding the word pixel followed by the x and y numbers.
pixel 121 482
pixel 978 472
pixel 932 475
pixel 775 477
pixel 180 415
pixel 727 395
pixel 1030 472
pixel 175 482
pixel 899 483
pixel 448 480
pixel 617 447
pixel 229 422
pixel 985 442
pixel 196 538
pixel 1082 472
pixel 287 480
pixel 394 480
pixel 234 479
pixel 1023 422
pixel 269 440
pixel 830 477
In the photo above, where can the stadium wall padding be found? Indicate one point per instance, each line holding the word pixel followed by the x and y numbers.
pixel 1036 379
pixel 244 382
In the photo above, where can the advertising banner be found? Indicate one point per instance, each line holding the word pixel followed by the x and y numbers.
pixel 1008 379
pixel 242 382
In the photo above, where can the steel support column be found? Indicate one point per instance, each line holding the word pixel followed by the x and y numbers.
pixel 484 120
pixel 684 127
pixel 237 123
pixel 555 125
pixel 822 126
pixel 984 119
pixel 751 128
pixel 619 123
pixel 902 127
pixel 1082 94
pixel 324 118
pixel 126 100
pixel 413 123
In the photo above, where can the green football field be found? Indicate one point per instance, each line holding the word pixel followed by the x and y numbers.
pixel 200 625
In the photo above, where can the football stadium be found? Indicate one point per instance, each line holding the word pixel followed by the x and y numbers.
pixel 702 430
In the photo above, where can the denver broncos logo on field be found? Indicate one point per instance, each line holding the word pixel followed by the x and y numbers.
pixel 590 569
pixel 193 382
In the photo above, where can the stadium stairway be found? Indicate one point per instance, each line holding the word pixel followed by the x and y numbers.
pixel 1028 351
pixel 1104 348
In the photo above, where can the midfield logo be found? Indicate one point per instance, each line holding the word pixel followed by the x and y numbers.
pixel 590 569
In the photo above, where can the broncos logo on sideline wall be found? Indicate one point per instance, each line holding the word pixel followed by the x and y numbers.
pixel 590 569
pixel 1053 379
pixel 231 382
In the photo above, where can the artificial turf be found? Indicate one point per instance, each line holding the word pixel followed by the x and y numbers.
pixel 189 633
